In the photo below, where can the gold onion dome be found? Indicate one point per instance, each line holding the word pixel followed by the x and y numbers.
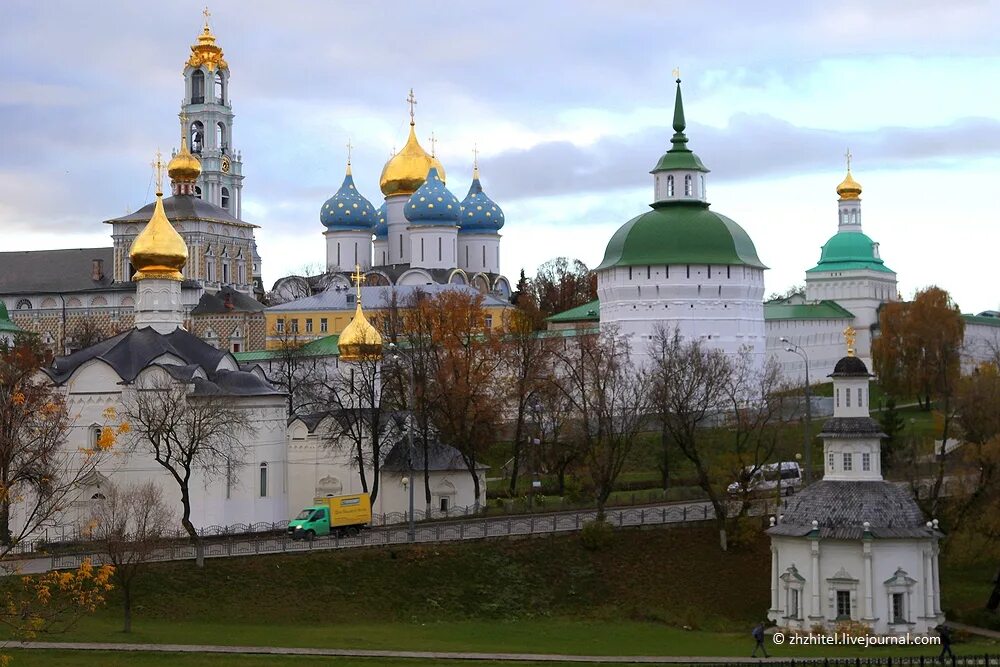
pixel 406 170
pixel 359 340
pixel 849 188
pixel 158 251
pixel 206 52
pixel 184 167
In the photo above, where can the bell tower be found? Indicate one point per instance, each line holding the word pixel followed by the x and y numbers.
pixel 207 112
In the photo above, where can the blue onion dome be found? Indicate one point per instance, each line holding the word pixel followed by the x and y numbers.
pixel 347 209
pixel 432 203
pixel 479 212
pixel 381 223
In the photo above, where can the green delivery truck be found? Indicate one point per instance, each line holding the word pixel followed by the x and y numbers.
pixel 340 515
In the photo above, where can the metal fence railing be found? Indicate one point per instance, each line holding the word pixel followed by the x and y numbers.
pixel 471 528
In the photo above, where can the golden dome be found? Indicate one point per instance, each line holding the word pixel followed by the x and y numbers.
pixel 206 51
pixel 849 188
pixel 406 170
pixel 158 251
pixel 184 167
pixel 359 341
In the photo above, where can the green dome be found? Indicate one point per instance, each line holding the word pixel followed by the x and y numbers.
pixel 683 232
pixel 849 250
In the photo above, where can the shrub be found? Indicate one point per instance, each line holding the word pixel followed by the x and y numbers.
pixel 596 535
pixel 852 629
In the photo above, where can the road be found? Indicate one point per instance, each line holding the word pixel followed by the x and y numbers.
pixel 426 532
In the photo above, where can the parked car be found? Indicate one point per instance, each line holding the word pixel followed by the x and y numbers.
pixel 766 479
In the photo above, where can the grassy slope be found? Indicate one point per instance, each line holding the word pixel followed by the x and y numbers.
pixel 545 594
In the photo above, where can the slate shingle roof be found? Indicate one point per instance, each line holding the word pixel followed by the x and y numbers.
pixel 181 208
pixel 130 352
pixel 852 427
pixel 440 457
pixel 67 270
pixel 850 367
pixel 842 508
pixel 215 304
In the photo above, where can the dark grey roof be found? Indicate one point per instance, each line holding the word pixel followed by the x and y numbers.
pixel 179 209
pixel 852 427
pixel 374 297
pixel 850 367
pixel 215 304
pixel 842 508
pixel 440 456
pixel 130 352
pixel 69 270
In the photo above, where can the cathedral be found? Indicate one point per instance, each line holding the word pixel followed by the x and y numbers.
pixel 420 235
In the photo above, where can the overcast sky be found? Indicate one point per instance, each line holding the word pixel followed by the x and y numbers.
pixel 569 102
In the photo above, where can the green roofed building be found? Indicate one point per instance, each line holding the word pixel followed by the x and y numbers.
pixel 680 265
pixel 7 328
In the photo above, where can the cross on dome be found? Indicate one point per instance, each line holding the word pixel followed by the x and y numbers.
pixel 848 156
pixel 206 14
pixel 358 278
pixel 412 101
pixel 849 335
pixel 157 166
pixel 433 141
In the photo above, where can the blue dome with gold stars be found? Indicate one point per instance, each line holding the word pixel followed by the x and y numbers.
pixel 432 203
pixel 381 223
pixel 347 209
pixel 479 212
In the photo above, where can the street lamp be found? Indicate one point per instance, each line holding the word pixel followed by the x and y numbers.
pixel 795 349
pixel 533 454
pixel 396 356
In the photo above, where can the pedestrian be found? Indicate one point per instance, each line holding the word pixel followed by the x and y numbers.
pixel 945 634
pixel 758 635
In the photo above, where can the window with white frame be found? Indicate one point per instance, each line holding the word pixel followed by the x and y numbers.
pixel 848 462
pixel 829 461
pixel 866 461
pixel 263 480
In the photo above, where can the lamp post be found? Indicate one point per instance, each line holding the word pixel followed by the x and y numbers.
pixel 536 443
pixel 795 349
pixel 396 357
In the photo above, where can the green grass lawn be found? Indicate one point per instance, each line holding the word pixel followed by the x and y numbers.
pixel 547 595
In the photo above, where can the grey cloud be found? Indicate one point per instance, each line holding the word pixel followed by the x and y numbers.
pixel 750 147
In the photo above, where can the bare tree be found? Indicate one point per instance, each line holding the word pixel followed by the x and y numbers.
pixel 128 526
pixel 526 363
pixel 559 441
pixel 298 374
pixel 187 431
pixel 608 396
pixel 692 384
pixel 353 394
pixel 38 474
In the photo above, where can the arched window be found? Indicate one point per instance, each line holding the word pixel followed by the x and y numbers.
pixel 687 185
pixel 670 185
pixel 23 304
pixel 220 136
pixel 198 87
pixel 225 198
pixel 197 191
pixel 197 136
pixel 263 480
pixel 220 88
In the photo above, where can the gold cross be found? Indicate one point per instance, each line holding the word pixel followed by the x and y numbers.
pixel 677 72
pixel 433 144
pixel 412 100
pixel 349 147
pixel 184 120
pixel 848 156
pixel 206 13
pixel 475 156
pixel 157 165
pixel 358 278
pixel 849 336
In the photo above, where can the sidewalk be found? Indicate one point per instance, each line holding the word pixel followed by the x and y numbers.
pixel 425 655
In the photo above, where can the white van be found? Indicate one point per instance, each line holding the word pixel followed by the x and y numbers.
pixel 766 479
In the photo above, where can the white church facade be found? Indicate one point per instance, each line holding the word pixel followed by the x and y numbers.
pixel 852 546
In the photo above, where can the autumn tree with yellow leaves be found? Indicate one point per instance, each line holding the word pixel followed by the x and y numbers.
pixel 39 475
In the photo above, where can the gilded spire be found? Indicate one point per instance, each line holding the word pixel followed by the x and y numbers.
pixel 475 162
pixel 158 251
pixel 359 341
pixel 206 52
pixel 849 188
pixel 349 147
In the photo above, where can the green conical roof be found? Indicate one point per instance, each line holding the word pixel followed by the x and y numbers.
pixel 679 156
